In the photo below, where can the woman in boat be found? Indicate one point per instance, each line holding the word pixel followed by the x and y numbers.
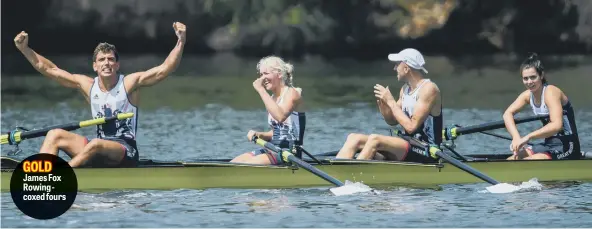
pixel 284 111
pixel 559 129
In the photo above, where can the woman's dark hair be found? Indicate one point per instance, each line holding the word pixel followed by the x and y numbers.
pixel 533 61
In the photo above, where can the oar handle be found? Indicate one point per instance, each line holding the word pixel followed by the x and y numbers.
pixel 284 154
pixel 452 133
pixel 289 157
pixel 16 136
pixel 103 120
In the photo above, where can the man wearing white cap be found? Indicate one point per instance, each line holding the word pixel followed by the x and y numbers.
pixel 418 111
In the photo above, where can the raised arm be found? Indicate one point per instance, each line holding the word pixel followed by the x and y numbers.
pixel 279 112
pixel 423 107
pixel 508 116
pixel 48 68
pixel 154 75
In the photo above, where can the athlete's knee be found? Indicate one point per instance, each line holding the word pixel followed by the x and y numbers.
pixel 55 135
pixel 354 138
pixel 374 139
pixel 94 146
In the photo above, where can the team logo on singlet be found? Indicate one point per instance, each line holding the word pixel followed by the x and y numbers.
pixel 116 128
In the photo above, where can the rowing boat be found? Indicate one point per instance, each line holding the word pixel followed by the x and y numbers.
pixel 318 171
pixel 204 174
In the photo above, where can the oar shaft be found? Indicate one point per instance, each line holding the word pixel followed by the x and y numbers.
pixel 311 169
pixel 434 151
pixel 18 136
pixel 500 136
pixel 287 156
pixel 466 168
pixel 457 131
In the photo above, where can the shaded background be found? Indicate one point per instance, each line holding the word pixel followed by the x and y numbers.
pixel 467 39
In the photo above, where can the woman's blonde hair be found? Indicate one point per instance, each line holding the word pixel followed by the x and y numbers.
pixel 278 64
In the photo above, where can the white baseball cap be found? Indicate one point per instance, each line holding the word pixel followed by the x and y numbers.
pixel 411 57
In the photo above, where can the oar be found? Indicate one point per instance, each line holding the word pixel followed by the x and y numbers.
pixel 454 132
pixel 435 153
pixel 16 136
pixel 287 156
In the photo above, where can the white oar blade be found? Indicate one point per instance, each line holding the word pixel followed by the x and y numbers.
pixel 530 185
pixel 350 188
pixel 503 188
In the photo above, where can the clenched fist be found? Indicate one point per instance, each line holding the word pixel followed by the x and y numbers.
pixel 180 29
pixel 21 40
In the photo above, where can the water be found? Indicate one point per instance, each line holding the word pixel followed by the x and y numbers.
pixel 217 131
pixel 456 206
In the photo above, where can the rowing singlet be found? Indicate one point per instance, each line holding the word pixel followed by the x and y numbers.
pixel 107 104
pixel 569 133
pixel 290 131
pixel 431 129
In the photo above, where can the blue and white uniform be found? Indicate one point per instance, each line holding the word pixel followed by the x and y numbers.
pixel 286 134
pixel 430 130
pixel 565 144
pixel 108 104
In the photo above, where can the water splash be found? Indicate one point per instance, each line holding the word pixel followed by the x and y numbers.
pixel 530 185
pixel 351 188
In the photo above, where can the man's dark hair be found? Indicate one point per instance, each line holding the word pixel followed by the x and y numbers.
pixel 105 47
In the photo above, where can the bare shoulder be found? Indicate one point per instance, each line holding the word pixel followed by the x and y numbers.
pixel 525 95
pixel 552 89
pixel 430 88
pixel 296 93
pixel 131 80
pixel 553 93
pixel 132 77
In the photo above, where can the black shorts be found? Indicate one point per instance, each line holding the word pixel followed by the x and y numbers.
pixel 131 156
pixel 416 154
pixel 555 148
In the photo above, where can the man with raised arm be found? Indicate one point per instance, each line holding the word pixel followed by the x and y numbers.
pixel 109 93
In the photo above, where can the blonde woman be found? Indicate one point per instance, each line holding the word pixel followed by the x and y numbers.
pixel 284 117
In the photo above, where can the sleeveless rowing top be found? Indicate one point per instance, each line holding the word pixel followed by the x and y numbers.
pixel 291 131
pixel 431 129
pixel 111 103
pixel 569 129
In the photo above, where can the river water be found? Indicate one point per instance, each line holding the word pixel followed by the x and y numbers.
pixel 217 131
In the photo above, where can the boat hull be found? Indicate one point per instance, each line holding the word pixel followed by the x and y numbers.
pixel 208 174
